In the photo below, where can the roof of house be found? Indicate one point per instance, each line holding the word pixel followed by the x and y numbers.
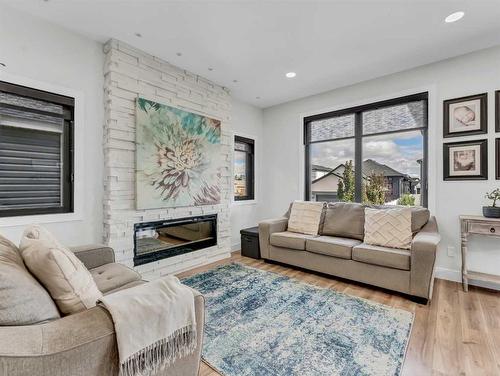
pixel 369 167
pixel 372 167
pixel 332 172
pixel 316 167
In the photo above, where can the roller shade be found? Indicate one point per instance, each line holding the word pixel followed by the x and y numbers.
pixel 30 168
pixel 35 154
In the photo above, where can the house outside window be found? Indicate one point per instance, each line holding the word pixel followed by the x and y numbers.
pixel 244 174
pixel 387 139
pixel 36 151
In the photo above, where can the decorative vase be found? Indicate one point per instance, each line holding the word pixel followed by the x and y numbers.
pixel 491 211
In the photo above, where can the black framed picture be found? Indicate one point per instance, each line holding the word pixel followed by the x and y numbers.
pixel 465 116
pixel 497 158
pixel 497 111
pixel 466 160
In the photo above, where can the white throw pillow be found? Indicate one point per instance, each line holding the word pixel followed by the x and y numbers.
pixel 388 227
pixel 65 277
pixel 305 217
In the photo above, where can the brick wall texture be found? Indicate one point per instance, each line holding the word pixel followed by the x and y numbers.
pixel 130 73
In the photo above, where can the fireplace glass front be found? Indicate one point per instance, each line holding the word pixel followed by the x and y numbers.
pixel 161 239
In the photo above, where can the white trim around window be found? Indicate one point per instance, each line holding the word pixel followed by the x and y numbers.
pixel 79 166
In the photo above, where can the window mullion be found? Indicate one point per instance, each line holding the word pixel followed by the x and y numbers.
pixel 358 156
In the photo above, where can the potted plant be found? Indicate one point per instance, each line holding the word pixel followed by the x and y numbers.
pixel 492 211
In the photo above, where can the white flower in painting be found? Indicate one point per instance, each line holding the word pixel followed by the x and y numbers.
pixel 176 167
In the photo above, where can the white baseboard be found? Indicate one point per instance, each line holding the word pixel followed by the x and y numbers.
pixel 448 274
pixel 236 247
pixel 456 276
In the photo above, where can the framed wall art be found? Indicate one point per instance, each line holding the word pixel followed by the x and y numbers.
pixel 178 157
pixel 466 160
pixel 465 116
pixel 497 111
pixel 497 158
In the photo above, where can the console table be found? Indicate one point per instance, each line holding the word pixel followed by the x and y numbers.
pixel 477 225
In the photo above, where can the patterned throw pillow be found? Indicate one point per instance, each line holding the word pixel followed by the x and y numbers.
pixel 65 277
pixel 388 227
pixel 305 217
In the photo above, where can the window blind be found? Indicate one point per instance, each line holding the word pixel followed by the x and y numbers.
pixel 35 153
pixel 30 168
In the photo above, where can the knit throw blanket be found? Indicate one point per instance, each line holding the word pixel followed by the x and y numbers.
pixel 154 323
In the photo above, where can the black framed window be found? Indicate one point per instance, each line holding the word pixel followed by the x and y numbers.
pixel 36 151
pixel 374 153
pixel 244 173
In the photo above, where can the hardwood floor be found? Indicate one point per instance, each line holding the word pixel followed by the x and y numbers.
pixel 458 333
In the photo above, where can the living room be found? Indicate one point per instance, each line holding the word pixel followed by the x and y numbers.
pixel 180 194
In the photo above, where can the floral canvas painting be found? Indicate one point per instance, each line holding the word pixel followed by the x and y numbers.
pixel 178 157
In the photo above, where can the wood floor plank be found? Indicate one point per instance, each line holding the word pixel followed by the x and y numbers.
pixel 447 352
pixel 420 353
pixel 478 357
pixel 490 308
pixel 457 333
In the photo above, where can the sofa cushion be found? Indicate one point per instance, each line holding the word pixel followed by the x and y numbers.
pixel 23 301
pixel 125 286
pixel 113 276
pixel 383 256
pixel 419 218
pixel 65 277
pixel 332 246
pixel 305 217
pixel 289 239
pixel 344 219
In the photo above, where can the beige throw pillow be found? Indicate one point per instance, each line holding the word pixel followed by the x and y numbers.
pixel 388 227
pixel 23 301
pixel 65 277
pixel 305 217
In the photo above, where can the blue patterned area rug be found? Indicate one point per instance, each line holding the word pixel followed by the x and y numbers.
pixel 260 323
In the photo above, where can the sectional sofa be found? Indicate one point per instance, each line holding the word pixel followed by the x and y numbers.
pixel 84 343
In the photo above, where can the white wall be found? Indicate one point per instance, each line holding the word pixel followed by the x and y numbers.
pixel 247 122
pixel 469 74
pixel 42 55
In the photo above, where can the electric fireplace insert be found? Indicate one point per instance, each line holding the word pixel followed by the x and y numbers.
pixel 154 241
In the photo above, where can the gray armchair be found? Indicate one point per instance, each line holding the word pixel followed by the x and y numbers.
pixel 83 343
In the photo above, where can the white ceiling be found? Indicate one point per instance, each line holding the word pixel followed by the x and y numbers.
pixel 329 43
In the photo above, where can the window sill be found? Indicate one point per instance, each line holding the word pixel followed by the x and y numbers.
pixel 39 219
pixel 244 202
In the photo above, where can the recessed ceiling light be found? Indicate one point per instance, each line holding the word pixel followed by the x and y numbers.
pixel 454 17
pixel 178 53
pixel 235 81
pixel 3 64
pixel 138 35
pixel 257 97
pixel 290 74
pixel 210 69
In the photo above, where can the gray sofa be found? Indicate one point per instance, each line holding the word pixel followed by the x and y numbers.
pixel 83 343
pixel 339 250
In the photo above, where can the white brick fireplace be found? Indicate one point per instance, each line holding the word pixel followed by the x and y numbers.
pixel 130 73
